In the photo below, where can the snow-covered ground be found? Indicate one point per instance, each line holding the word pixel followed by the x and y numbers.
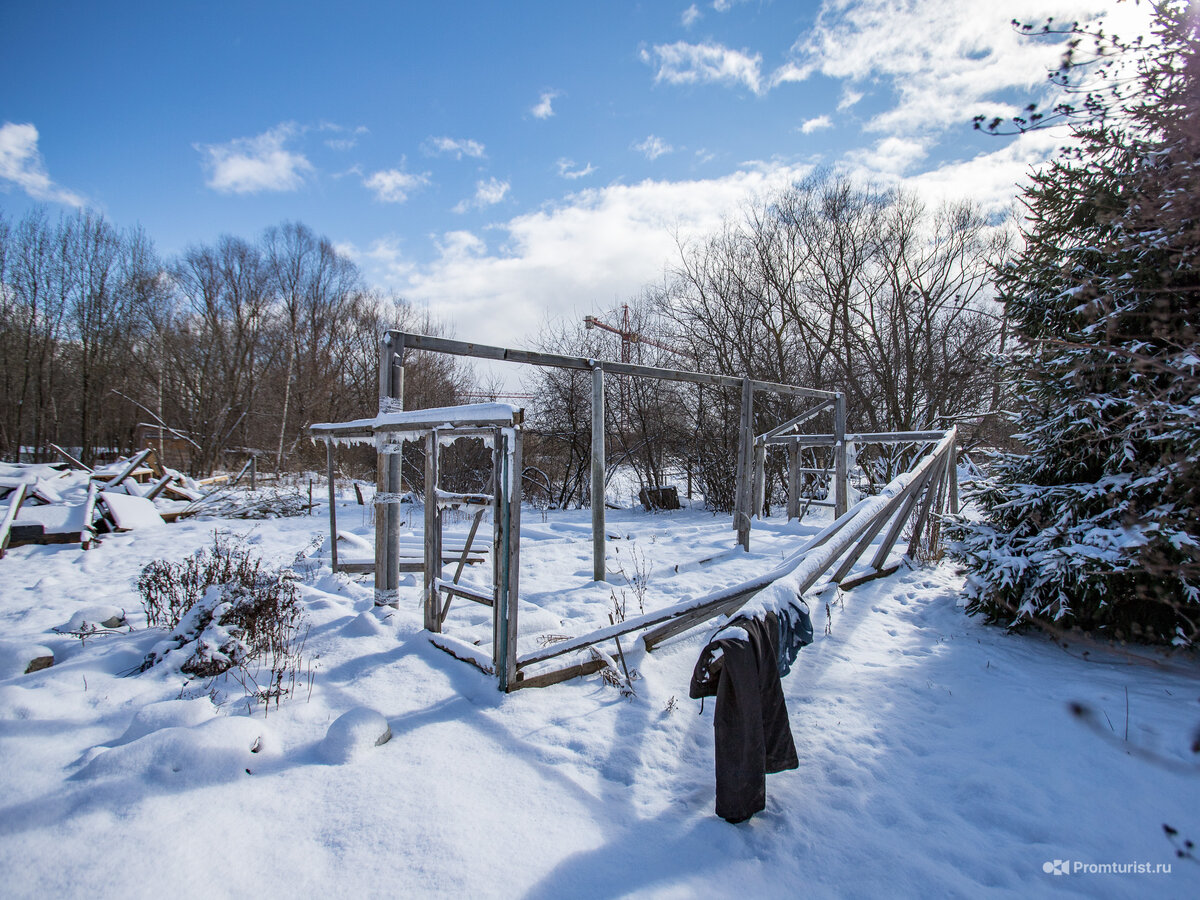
pixel 938 757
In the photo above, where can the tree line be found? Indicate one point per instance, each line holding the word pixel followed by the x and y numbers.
pixel 236 345
pixel 239 344
pixel 828 284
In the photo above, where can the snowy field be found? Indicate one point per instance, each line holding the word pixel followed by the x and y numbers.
pixel 938 757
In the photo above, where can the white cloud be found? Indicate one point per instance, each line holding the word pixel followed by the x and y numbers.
pixel 348 142
pixel 891 156
pixel 490 192
pixel 544 108
pixel 456 147
pixel 22 164
pixel 653 147
pixel 990 179
pixel 596 244
pixel 394 185
pixel 684 63
pixel 567 169
pixel 811 125
pixel 942 64
pixel 384 258
pixel 487 193
pixel 690 16
pixel 790 73
pixel 262 163
pixel 849 98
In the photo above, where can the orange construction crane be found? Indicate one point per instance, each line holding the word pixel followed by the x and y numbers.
pixel 629 337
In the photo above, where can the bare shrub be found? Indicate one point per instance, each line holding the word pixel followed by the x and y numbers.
pixel 227 613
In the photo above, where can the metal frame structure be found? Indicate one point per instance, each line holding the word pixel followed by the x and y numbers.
pixel 395 343
pixel 925 491
pixel 501 425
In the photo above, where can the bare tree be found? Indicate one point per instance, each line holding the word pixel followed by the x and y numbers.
pixel 843 288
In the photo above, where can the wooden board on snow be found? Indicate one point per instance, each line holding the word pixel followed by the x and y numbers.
pixel 129 512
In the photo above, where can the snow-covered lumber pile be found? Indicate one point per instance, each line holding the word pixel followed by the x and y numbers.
pixel 61 503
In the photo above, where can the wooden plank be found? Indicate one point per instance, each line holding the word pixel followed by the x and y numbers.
pixel 69 458
pixel 462 651
pixel 794 472
pixel 598 472
pixel 20 538
pixel 89 512
pixel 155 464
pixel 464 591
pixel 182 492
pixel 159 486
pixel 408 564
pixel 241 472
pixel 452 500
pixel 796 421
pixel 15 499
pixel 557 676
pixel 133 463
pixel 360 568
pixel 558 361
pixel 467 545
pixel 852 583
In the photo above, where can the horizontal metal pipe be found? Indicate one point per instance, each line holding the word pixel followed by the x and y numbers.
pixel 558 361
pixel 868 437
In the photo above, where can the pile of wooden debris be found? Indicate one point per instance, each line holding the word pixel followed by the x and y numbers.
pixel 69 502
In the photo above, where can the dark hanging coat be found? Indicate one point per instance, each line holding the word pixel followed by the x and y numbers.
pixel 752 733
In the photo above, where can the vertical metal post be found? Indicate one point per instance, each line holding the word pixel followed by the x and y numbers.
pixel 793 453
pixel 742 500
pixel 253 471
pixel 433 536
pixel 954 476
pixel 506 614
pixel 332 504
pixel 499 546
pixel 760 478
pixel 840 473
pixel 598 536
pixel 387 480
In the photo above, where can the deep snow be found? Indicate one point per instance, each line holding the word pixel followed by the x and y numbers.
pixel 938 757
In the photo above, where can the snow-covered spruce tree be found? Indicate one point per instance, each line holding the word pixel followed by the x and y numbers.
pixel 1097 524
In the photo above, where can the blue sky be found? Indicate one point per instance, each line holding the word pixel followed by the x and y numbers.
pixel 504 163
